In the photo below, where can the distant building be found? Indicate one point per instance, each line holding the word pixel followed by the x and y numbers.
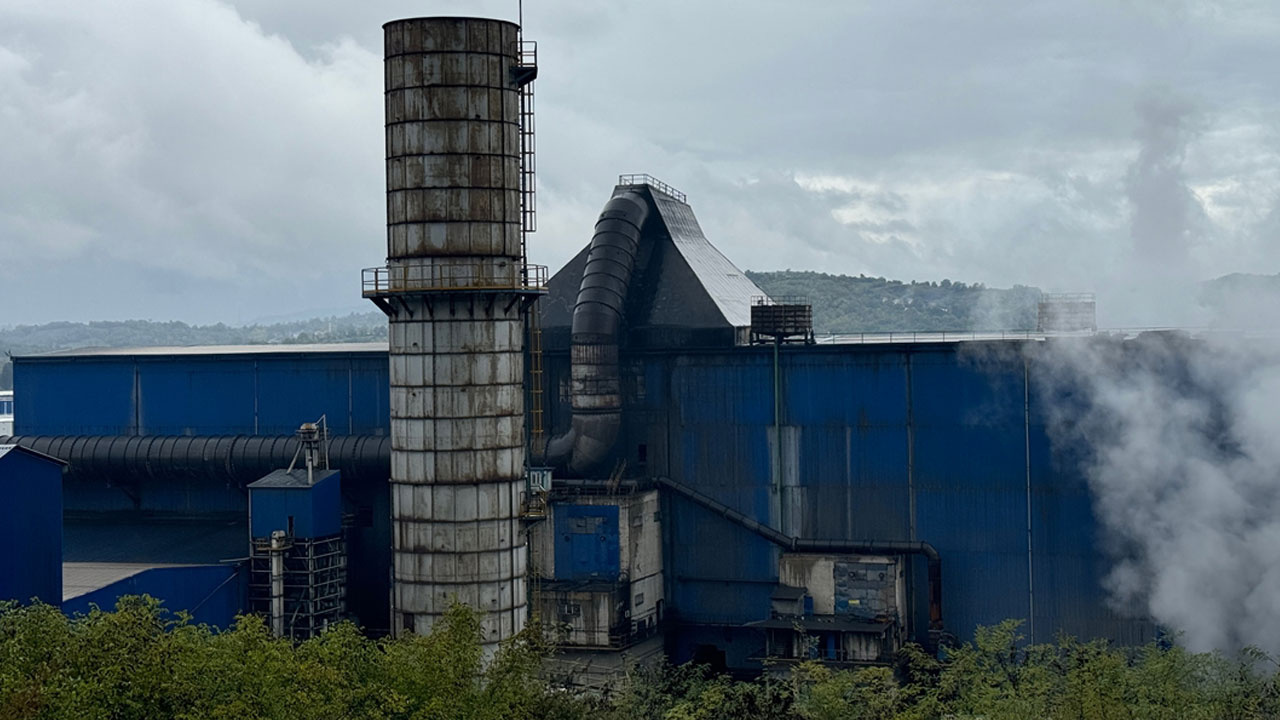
pixel 1067 312
pixel 6 412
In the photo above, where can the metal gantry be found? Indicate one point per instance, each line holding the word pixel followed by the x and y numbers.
pixel 298 582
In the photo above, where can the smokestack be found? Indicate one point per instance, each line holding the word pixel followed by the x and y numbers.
pixel 454 290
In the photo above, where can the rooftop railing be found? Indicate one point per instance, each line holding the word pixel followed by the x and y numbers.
pixel 653 182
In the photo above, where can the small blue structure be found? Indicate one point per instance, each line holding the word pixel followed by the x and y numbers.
pixel 587 543
pixel 285 500
pixel 30 525
pixel 298 561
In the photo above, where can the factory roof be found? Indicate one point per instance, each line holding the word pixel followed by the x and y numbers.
pixel 686 282
pixel 5 449
pixel 729 288
pixel 275 349
pixel 80 578
pixel 296 478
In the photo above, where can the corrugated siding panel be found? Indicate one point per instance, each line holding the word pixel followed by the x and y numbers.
pixel 213 594
pixel 315 511
pixel 847 412
pixel 194 396
pixel 970 477
pixel 30 528
pixel 70 397
pixel 1068 561
pixel 202 395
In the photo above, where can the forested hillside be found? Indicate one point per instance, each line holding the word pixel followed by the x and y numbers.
pixel 846 304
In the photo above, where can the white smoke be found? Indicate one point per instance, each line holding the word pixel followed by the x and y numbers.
pixel 1180 449
pixel 1179 437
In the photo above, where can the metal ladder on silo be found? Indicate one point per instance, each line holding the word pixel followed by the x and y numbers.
pixel 526 72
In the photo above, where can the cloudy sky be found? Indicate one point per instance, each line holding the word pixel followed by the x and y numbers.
pixel 205 160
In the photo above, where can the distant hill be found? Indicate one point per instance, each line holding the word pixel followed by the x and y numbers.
pixel 841 304
pixel 1243 301
pixel 845 304
pixel 30 339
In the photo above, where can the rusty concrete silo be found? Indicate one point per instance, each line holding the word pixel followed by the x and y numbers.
pixel 454 288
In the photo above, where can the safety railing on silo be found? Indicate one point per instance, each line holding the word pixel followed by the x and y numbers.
pixel 475 277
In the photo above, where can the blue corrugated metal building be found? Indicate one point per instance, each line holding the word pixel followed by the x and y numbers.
pixel 210 594
pixel 285 501
pixel 943 442
pixel 30 526
pixel 233 390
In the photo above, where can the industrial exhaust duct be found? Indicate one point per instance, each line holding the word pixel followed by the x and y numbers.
pixel 596 392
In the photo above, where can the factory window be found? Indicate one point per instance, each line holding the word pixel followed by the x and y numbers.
pixel 290 526
pixel 639 599
pixel 642 453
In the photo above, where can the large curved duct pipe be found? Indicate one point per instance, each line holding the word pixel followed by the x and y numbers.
pixel 851 547
pixel 236 459
pixel 597 316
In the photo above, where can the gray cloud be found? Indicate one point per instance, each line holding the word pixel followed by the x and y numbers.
pixel 207 159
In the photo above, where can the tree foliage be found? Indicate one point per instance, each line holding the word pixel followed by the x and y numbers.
pixel 845 304
pixel 139 661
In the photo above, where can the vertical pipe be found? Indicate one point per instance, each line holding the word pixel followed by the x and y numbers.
pixel 1026 445
pixel 137 400
pixel 255 397
pixel 277 583
pixel 777 425
pixel 784 513
pixel 911 453
pixel 911 473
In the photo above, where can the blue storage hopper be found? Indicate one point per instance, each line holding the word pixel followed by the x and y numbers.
pixel 284 500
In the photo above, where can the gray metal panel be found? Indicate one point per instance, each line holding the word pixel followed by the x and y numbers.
pixel 728 286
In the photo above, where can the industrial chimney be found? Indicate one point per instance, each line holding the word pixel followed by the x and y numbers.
pixel 455 289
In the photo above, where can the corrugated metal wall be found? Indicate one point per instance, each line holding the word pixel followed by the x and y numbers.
pixel 189 394
pixel 212 594
pixel 30 528
pixel 941 443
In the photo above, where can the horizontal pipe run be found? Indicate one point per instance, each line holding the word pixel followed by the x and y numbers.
pixel 233 459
